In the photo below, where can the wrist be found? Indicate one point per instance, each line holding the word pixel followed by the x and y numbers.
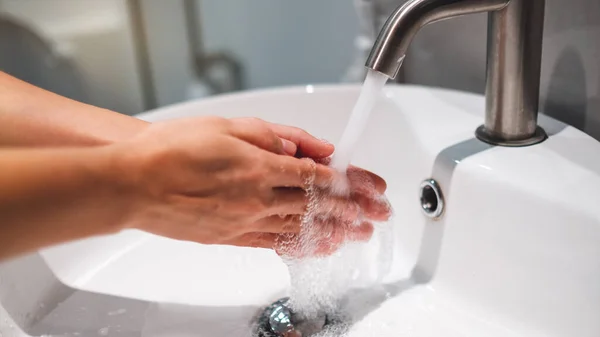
pixel 125 165
pixel 120 189
pixel 122 127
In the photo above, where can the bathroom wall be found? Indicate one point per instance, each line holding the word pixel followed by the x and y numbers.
pixel 96 37
pixel 283 42
pixel 276 42
pixel 168 50
pixel 452 54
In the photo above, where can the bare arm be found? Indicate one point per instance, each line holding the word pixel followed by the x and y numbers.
pixel 31 116
pixel 208 180
pixel 49 196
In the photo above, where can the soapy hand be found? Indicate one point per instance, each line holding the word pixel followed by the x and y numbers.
pixel 325 227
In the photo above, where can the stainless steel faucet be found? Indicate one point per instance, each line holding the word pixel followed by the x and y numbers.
pixel 514 49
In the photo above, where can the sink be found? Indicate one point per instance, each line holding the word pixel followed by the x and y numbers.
pixel 516 251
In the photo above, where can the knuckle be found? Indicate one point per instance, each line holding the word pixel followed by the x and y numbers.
pixel 252 121
pixel 217 120
pixel 255 206
pixel 256 120
pixel 255 173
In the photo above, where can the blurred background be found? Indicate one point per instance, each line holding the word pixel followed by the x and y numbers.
pixel 134 55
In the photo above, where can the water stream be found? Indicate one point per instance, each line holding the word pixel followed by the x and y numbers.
pixel 318 284
pixel 370 92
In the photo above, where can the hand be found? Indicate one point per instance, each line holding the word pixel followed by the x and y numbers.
pixel 325 227
pixel 296 142
pixel 341 211
pixel 218 181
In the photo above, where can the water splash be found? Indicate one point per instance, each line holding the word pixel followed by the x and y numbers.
pixel 319 279
pixel 319 283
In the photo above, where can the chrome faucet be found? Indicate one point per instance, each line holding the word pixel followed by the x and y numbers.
pixel 514 54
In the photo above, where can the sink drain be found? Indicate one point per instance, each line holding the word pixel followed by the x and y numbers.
pixel 432 200
pixel 278 320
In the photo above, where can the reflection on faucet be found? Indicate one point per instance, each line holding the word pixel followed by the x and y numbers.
pixel 566 99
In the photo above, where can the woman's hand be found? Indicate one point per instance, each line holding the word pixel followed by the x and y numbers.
pixel 219 181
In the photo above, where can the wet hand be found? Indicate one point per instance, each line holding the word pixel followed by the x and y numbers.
pixel 341 212
pixel 219 181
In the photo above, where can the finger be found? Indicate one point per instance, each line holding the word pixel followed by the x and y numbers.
pixel 254 240
pixel 324 161
pixel 302 173
pixel 360 176
pixel 325 237
pixel 307 145
pixel 331 243
pixel 375 208
pixel 360 233
pixel 278 224
pixel 342 233
pixel 339 208
pixel 365 180
pixel 258 133
pixel 288 200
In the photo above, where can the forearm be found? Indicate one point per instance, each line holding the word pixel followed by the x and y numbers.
pixel 31 116
pixel 57 195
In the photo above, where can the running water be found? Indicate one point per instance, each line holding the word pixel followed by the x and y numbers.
pixel 320 284
pixel 371 90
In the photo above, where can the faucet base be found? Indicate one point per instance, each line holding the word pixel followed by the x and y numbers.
pixel 538 137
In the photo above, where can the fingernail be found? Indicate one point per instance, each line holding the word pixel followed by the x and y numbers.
pixel 288 147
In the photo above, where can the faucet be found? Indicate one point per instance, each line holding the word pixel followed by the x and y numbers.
pixel 514 54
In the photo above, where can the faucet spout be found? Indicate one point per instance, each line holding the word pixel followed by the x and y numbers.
pixel 515 32
pixel 406 21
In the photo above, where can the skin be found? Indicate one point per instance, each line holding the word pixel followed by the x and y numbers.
pixel 70 171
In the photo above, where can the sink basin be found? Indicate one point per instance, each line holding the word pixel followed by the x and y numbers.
pixel 515 253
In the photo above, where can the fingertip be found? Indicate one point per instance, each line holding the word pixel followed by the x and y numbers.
pixel 362 232
pixel 375 208
pixel 381 210
pixel 327 148
pixel 361 175
pixel 380 183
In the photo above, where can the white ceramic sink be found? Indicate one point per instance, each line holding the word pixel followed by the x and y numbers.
pixel 516 253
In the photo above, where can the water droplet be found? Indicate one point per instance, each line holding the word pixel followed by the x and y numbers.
pixel 103 331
